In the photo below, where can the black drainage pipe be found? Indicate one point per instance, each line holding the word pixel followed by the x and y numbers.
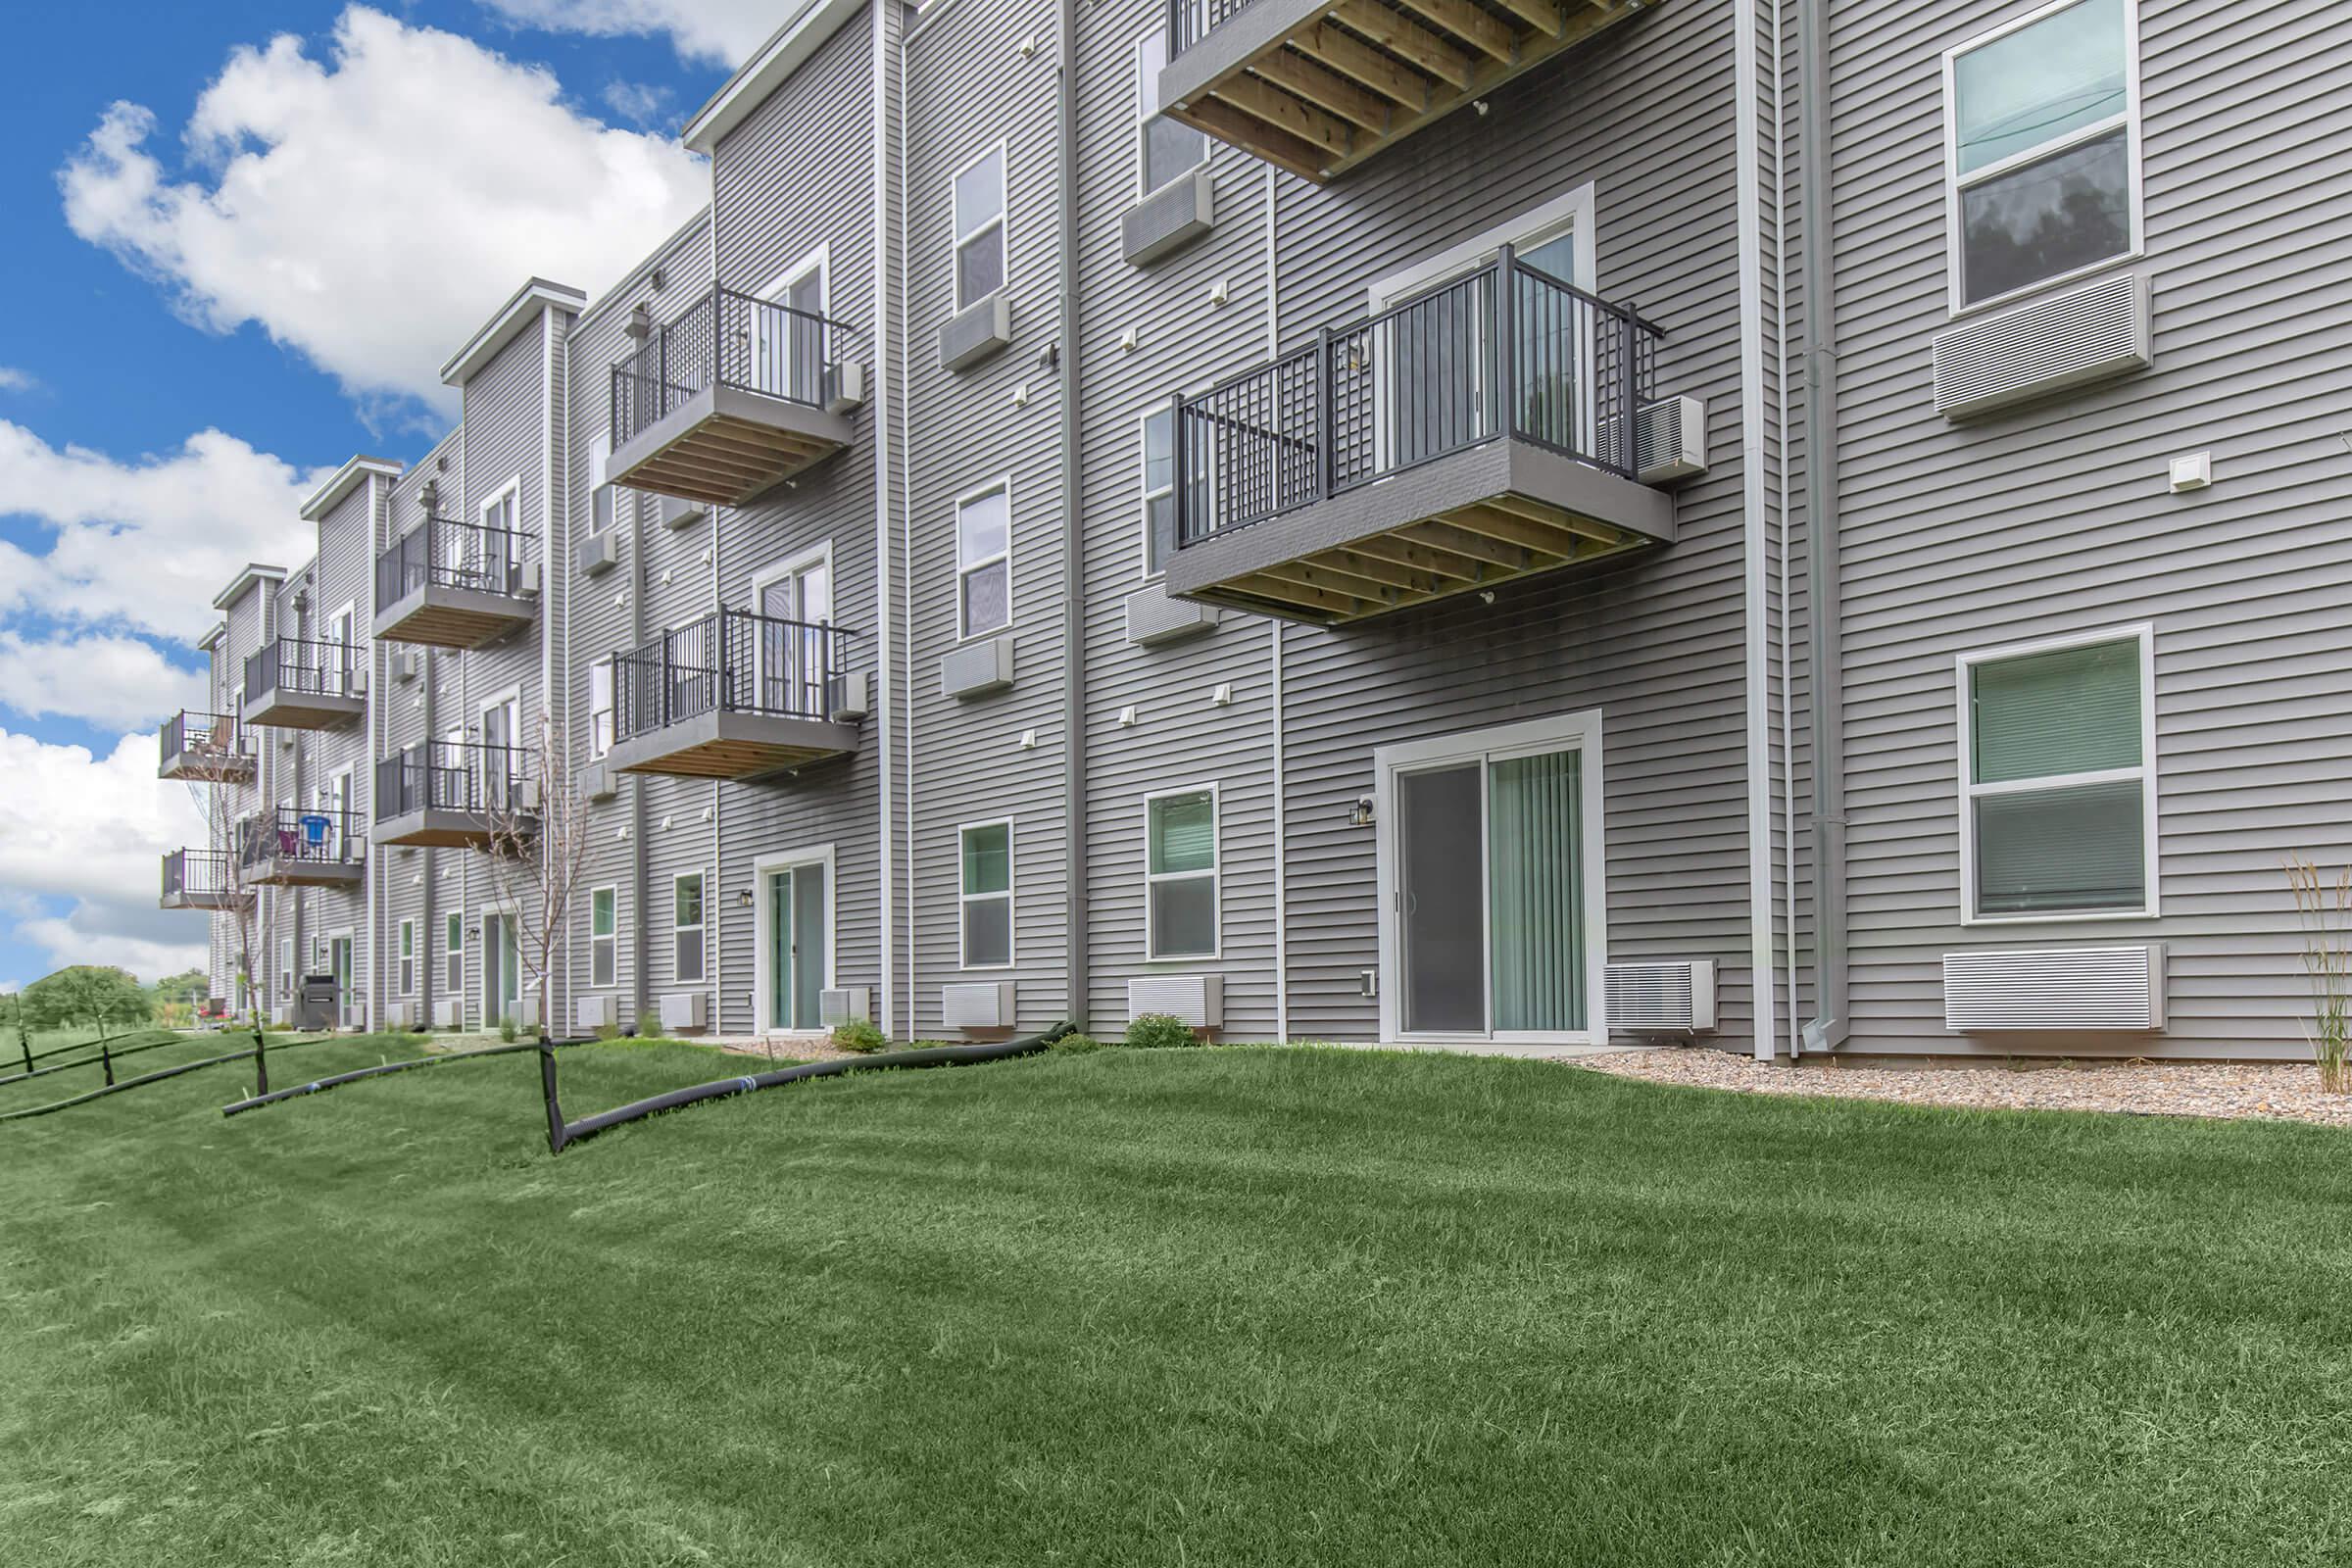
pixel 256 1101
pixel 156 1077
pixel 118 1053
pixel 562 1134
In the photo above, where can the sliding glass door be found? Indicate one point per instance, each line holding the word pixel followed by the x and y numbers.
pixel 1491 921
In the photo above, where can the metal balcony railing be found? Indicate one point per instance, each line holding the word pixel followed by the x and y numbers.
pixel 1190 20
pixel 733 662
pixel 297 664
pixel 729 339
pixel 212 736
pixel 320 836
pixel 1507 350
pixel 197 875
pixel 453 776
pixel 444 553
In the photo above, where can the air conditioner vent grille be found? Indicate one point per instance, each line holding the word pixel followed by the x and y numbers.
pixel 2055 989
pixel 2084 334
pixel 1662 998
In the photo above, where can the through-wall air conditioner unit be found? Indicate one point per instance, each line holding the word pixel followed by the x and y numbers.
pixel 401 1014
pixel 1662 998
pixel 527 579
pixel 411 664
pixel 849 697
pixel 1152 617
pixel 677 512
pixel 1670 440
pixel 593 1012
pixel 2056 990
pixel 686 1010
pixel 448 1013
pixel 984 1004
pixel 355 1017
pixel 282 1015
pixel 1197 1000
pixel 600 552
pixel 596 782
pixel 526 794
pixel 847 390
pixel 844 1005
pixel 358 680
pixel 528 1012
pixel 978 667
pixel 2079 335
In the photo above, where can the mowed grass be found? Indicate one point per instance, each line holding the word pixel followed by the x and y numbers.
pixel 1183 1307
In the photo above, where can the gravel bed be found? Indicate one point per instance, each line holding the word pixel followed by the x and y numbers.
pixel 2262 1091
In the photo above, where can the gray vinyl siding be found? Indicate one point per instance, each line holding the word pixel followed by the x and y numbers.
pixel 660 580
pixel 797 176
pixel 964 432
pixel 2056 519
pixel 1179 736
pixel 422 884
pixel 342 573
pixel 1647 113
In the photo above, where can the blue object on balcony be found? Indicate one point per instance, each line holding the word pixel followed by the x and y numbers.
pixel 314 828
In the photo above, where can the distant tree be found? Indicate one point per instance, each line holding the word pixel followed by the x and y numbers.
pixel 97 995
pixel 180 986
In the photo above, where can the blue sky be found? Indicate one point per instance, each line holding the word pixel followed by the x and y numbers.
pixel 222 288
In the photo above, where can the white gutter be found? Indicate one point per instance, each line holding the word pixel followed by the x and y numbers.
pixel 885 695
pixel 1746 99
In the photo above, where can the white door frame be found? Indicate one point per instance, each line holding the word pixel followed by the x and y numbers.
pixel 1580 731
pixel 817 262
pixel 764 868
pixel 482 971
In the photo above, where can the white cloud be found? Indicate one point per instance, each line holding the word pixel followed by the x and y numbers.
pixel 721 31
pixel 148 542
pixel 112 682
pixel 638 103
pixel 372 208
pixel 90 829
pixel 13 380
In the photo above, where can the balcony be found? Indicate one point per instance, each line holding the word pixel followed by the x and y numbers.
pixel 446 795
pixel 731 399
pixel 200 879
pixel 1317 86
pixel 1472 434
pixel 735 695
pixel 450 584
pixel 206 749
pixel 291 847
pixel 294 683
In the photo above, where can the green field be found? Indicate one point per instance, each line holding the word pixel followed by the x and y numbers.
pixel 1184 1307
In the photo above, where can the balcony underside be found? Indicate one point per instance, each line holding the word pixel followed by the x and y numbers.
pixel 1459 525
pixel 206 901
pixel 724 446
pixel 288 872
pixel 439 615
pixel 287 709
pixel 1317 86
pixel 440 827
pixel 208 767
pixel 732 746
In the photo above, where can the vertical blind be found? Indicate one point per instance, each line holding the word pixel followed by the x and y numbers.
pixel 1534 856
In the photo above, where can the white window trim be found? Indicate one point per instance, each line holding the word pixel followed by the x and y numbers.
pixel 403 963
pixel 1954 183
pixel 821 555
pixel 1011 896
pixel 594 984
pixel 818 261
pixel 285 972
pixel 1143 189
pixel 599 741
pixel 1003 221
pixel 764 867
pixel 964 633
pixel 495 501
pixel 600 459
pixel 1143 471
pixel 1963 665
pixel 1215 874
pixel 1581 730
pixel 702 929
pixel 1571 212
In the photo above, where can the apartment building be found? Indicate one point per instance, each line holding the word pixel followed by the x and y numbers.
pixel 1301 513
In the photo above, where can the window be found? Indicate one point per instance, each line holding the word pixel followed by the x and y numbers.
pixel 2042 148
pixel 599 707
pixel 1164 147
pixel 1180 831
pixel 686 894
pixel 986 916
pixel 980 228
pixel 604 500
pixel 1159 488
pixel 408 959
pixel 453 949
pixel 2058 781
pixel 286 968
pixel 983 561
pixel 604 943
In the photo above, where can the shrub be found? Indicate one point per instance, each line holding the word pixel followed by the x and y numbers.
pixel 507 1030
pixel 1153 1031
pixel 858 1035
pixel 607 1031
pixel 1077 1044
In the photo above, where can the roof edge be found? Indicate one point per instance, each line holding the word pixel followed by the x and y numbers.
pixel 354 469
pixel 507 321
pixel 770 65
pixel 253 571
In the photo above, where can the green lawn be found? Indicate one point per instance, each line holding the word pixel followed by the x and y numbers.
pixel 1185 1308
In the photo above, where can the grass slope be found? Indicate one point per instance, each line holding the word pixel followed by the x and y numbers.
pixel 1185 1307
